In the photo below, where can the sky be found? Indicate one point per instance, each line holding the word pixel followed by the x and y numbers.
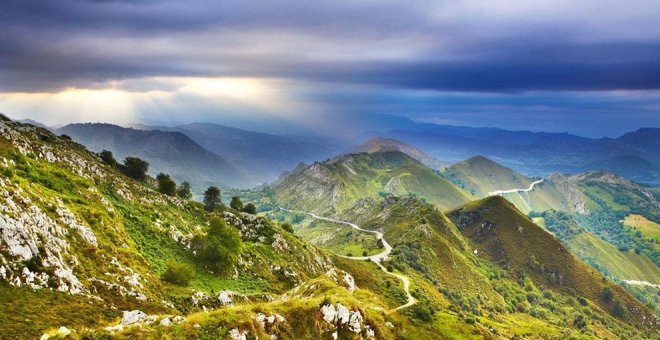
pixel 587 67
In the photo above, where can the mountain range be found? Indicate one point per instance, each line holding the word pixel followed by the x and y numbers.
pixel 634 155
pixel 88 252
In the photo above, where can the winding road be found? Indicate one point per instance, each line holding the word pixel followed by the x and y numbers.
pixel 374 258
pixel 511 191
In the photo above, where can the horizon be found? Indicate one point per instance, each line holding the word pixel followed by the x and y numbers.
pixel 173 124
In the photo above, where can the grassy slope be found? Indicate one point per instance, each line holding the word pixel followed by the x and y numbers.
pixel 480 175
pixel 624 265
pixel 483 176
pixel 512 240
pixel 650 230
pixel 432 251
pixel 334 185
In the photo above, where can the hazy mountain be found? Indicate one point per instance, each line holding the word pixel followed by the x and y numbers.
pixel 263 156
pixel 35 123
pixel 540 153
pixel 169 152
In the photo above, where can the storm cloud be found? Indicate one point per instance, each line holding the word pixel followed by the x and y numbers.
pixel 322 47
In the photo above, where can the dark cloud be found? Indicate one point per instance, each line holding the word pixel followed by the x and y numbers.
pixel 47 45
pixel 563 63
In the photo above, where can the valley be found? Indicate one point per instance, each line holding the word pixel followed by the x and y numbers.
pixel 377 259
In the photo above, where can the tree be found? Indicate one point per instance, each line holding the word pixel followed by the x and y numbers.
pixel 178 273
pixel 618 310
pixel 250 209
pixel 288 227
pixel 166 185
pixel 211 198
pixel 184 191
pixel 236 203
pixel 108 158
pixel 135 168
pixel 221 246
pixel 608 294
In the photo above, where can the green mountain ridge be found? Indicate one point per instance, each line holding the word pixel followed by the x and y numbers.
pixel 333 185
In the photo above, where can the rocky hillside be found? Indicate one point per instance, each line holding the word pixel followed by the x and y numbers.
pixel 84 247
pixel 334 185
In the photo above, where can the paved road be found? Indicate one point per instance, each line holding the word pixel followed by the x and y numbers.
pixel 374 258
pixel 511 191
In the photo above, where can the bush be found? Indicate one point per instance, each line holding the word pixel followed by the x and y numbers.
pixel 618 310
pixel 178 273
pixel 579 321
pixel 135 168
pixel 236 203
pixel 108 158
pixel 288 227
pixel 166 185
pixel 608 294
pixel 184 191
pixel 582 301
pixel 250 209
pixel 221 246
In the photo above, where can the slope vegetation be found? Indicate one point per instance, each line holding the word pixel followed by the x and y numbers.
pixel 502 234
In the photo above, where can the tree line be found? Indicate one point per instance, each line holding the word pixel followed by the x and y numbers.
pixel 137 169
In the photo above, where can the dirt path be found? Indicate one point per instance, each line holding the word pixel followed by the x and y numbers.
pixel 374 258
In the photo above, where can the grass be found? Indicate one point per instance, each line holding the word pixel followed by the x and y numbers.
pixel 649 229
pixel 338 238
pixel 25 313
pixel 623 265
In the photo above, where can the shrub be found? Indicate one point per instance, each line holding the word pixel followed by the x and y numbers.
pixel 618 310
pixel 108 158
pixel 364 253
pixel 250 209
pixel 166 185
pixel 236 203
pixel 608 294
pixel 135 168
pixel 221 246
pixel 178 273
pixel 583 301
pixel 579 321
pixel 288 227
pixel 184 191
